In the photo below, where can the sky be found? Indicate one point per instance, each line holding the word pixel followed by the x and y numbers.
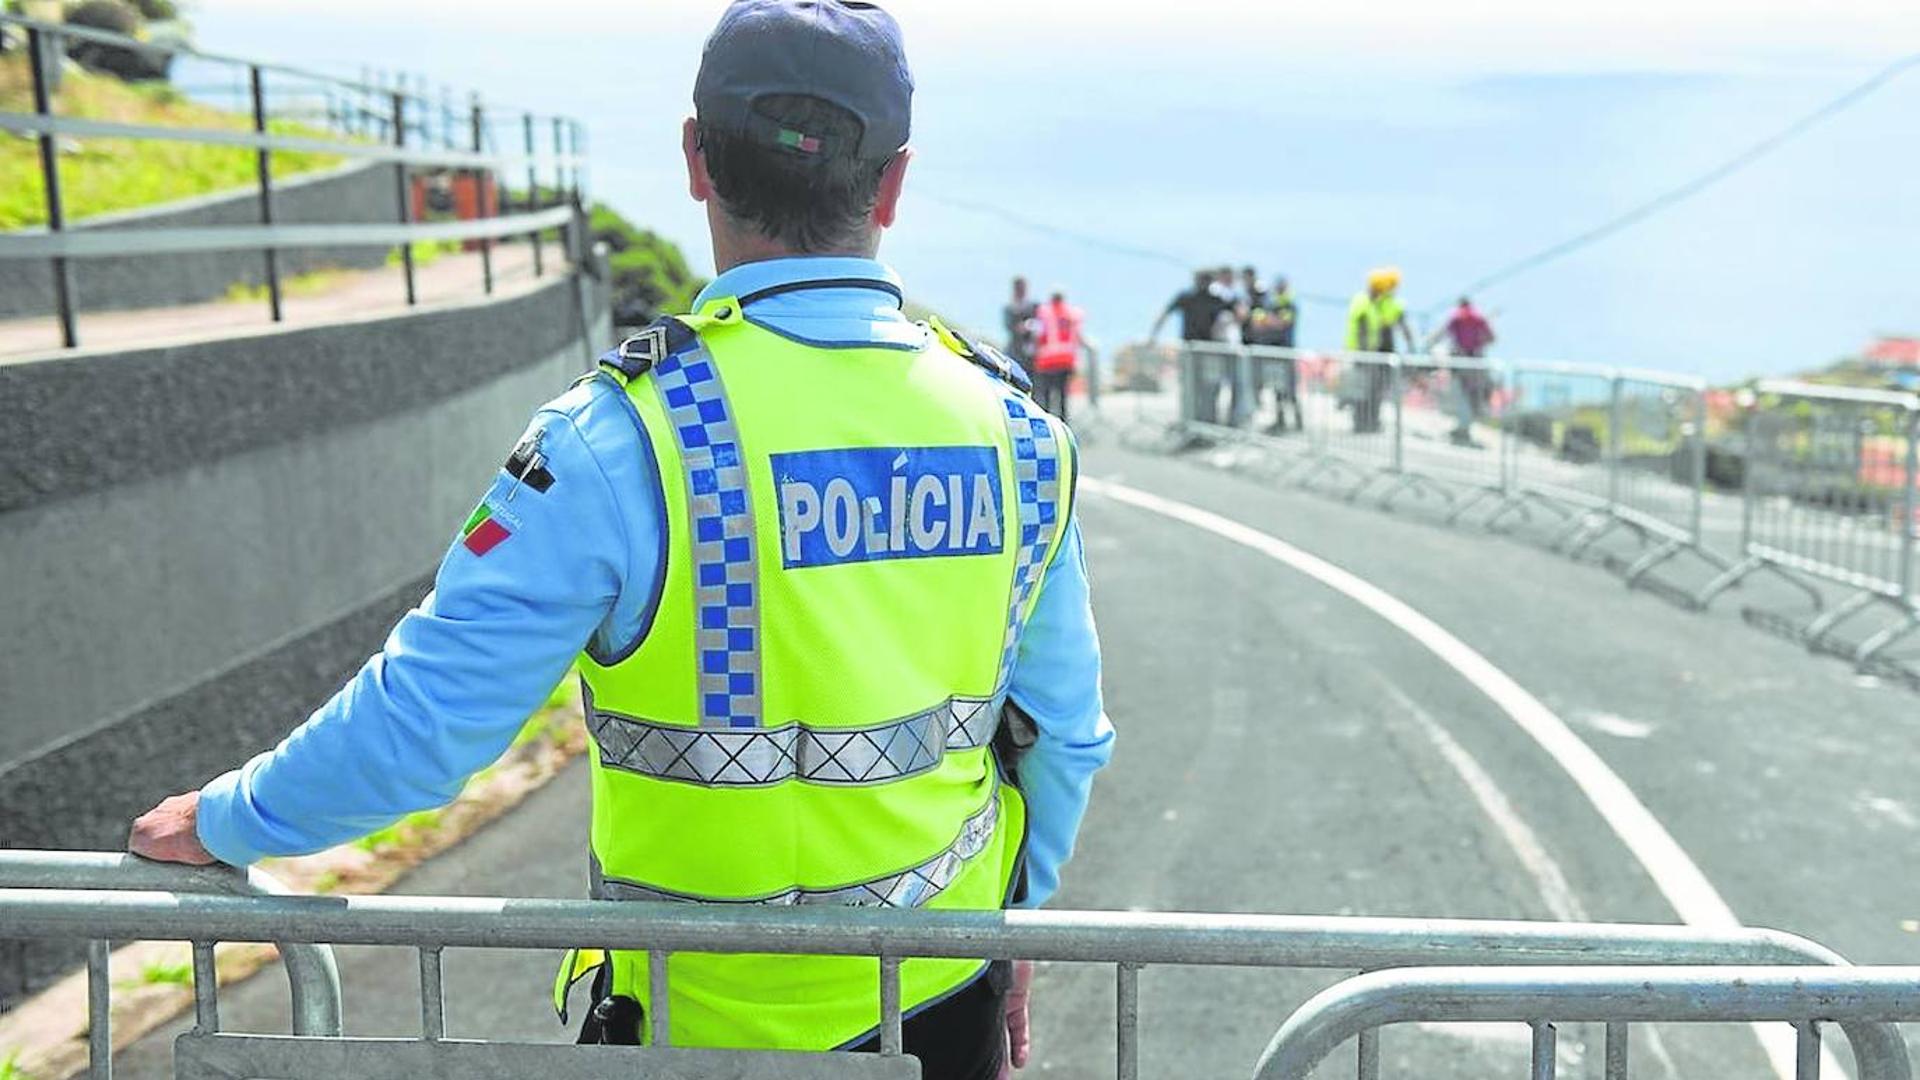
pixel 1107 148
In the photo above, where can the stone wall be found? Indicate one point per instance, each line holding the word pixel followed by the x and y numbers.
pixel 201 542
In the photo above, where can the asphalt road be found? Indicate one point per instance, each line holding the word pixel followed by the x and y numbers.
pixel 1285 749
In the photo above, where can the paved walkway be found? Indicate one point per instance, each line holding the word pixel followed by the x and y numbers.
pixel 354 294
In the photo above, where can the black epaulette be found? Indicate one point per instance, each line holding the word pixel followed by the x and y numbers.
pixel 994 362
pixel 639 354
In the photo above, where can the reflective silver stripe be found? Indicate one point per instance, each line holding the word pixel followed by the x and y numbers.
pixel 909 888
pixel 754 757
pixel 726 577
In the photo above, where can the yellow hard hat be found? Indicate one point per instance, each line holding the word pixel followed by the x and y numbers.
pixel 1383 279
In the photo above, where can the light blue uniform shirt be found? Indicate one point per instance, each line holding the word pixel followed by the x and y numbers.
pixel 582 568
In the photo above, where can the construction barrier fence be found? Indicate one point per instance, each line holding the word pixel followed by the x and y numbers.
pixel 1821 491
pixel 107 897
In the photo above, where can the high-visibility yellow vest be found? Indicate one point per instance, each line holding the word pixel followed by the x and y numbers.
pixel 855 539
pixel 1360 336
pixel 1370 321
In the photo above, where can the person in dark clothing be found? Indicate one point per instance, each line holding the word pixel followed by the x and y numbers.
pixel 1205 310
pixel 1199 308
pixel 1271 322
pixel 1017 318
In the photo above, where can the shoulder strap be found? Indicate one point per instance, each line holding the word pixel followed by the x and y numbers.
pixel 667 336
pixel 639 354
pixel 986 357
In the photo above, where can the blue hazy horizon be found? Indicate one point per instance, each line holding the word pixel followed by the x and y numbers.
pixel 1317 172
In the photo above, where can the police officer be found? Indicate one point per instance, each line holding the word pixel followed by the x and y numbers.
pixel 805 553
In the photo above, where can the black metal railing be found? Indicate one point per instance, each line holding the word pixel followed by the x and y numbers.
pixel 378 121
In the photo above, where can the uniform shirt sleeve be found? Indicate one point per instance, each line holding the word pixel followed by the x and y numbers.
pixel 1056 679
pixel 458 676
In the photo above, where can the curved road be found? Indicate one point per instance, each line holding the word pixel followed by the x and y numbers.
pixel 1285 749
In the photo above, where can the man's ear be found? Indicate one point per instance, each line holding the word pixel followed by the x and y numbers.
pixel 699 183
pixel 893 179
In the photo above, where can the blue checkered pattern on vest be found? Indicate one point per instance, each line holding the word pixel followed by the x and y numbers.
pixel 1036 475
pixel 726 573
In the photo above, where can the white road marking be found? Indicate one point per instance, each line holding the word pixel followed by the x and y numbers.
pixel 1673 871
pixel 1540 865
pixel 1872 807
pixel 1618 726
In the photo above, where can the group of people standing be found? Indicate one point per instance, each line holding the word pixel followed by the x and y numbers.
pixel 1048 340
pixel 1219 309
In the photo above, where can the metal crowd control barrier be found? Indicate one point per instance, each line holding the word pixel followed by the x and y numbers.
pixel 1600 449
pixel 1617 449
pixel 1829 492
pixel 1130 941
pixel 1346 411
pixel 312 976
pixel 1862 999
pixel 462 146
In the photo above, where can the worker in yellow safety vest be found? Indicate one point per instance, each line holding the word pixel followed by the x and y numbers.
pixel 818 569
pixel 1373 319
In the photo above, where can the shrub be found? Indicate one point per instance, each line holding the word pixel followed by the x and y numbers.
pixel 650 275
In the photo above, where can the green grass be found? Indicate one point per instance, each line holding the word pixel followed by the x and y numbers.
pixel 425 252
pixel 10 1068
pixel 105 175
pixel 162 973
pixel 400 832
pixel 649 272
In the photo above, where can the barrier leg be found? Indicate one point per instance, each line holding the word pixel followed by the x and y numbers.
pixel 1416 483
pixel 1578 527
pixel 1519 501
pixel 1473 499
pixel 1729 578
pixel 1823 625
pixel 99 1011
pixel 1886 637
pixel 1639 568
pixel 1611 523
pixel 1616 1052
pixel 1126 997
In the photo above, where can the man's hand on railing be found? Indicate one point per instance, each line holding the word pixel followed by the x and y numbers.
pixel 167 833
pixel 1018 1040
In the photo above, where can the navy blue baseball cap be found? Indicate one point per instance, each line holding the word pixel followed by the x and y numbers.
pixel 846 53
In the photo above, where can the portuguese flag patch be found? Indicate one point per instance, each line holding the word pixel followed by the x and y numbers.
pixel 482 532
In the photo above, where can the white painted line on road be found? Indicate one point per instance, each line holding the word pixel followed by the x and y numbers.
pixel 1673 871
pixel 1535 859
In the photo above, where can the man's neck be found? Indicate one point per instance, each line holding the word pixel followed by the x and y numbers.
pixel 736 247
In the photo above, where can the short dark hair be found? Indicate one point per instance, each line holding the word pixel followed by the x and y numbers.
pixel 809 201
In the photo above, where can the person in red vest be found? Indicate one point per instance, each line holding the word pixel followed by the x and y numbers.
pixel 1058 342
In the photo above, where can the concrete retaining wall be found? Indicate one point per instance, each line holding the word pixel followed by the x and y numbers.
pixel 355 193
pixel 201 542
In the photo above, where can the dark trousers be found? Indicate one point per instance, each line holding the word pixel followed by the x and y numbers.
pixel 1050 390
pixel 962 1037
pixel 1366 411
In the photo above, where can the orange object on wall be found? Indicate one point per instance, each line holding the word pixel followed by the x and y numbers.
pixel 470 196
